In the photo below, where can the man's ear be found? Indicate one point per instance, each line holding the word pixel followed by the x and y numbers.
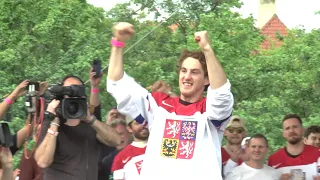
pixel 129 129
pixel 206 81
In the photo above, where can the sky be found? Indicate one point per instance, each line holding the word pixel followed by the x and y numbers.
pixel 292 13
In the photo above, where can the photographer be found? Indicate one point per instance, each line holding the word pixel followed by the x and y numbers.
pixel 70 148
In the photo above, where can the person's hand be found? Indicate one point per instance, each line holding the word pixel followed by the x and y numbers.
pixel 285 176
pixel 202 39
pixel 43 87
pixel 95 81
pixel 20 89
pixel 16 173
pixel 235 155
pixel 123 31
pixel 316 177
pixel 5 157
pixel 52 106
pixel 160 86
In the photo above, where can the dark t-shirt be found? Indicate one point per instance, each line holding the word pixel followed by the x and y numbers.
pixel 104 170
pixel 77 152
pixel 107 164
pixel 14 147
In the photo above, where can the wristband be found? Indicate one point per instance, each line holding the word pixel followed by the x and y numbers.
pixel 54 124
pixel 49 116
pixel 92 121
pixel 118 44
pixel 8 101
pixel 52 132
pixel 94 90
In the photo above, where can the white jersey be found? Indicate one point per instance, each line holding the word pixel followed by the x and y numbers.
pixel 245 172
pixel 127 164
pixel 185 139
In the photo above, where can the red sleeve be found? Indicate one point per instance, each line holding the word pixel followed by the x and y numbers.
pixel 225 156
pixel 117 163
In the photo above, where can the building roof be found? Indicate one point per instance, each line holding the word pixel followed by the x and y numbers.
pixel 271 29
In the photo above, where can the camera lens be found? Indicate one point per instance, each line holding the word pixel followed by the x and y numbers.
pixel 74 108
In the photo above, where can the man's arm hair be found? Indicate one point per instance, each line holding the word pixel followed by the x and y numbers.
pixel 106 134
pixel 47 145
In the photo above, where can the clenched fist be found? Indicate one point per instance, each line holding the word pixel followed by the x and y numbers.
pixel 123 31
pixel 202 39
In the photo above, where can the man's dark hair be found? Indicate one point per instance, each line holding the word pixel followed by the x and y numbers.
pixel 259 136
pixel 199 55
pixel 292 116
pixel 311 129
pixel 71 76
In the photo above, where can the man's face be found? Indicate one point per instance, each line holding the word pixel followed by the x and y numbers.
pixel 114 114
pixel 292 130
pixel 139 131
pixel 70 82
pixel 191 78
pixel 313 139
pixel 257 149
pixel 124 135
pixel 235 135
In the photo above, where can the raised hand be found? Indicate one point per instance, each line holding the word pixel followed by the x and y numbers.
pixel 20 89
pixel 123 31
pixel 202 39
pixel 95 81
pixel 161 86
pixel 43 88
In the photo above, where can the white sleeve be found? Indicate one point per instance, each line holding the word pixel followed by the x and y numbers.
pixel 219 105
pixel 232 176
pixel 132 99
pixel 228 167
pixel 118 174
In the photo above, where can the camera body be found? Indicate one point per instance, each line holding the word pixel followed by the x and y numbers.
pixel 6 139
pixel 73 102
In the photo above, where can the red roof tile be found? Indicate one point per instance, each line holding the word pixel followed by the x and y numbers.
pixel 270 30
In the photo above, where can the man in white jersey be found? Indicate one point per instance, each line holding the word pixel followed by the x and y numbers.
pixel 127 164
pixel 185 131
pixel 255 168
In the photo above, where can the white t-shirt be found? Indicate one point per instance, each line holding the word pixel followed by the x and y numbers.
pixel 185 139
pixel 245 172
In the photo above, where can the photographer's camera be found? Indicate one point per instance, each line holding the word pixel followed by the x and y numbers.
pixel 73 102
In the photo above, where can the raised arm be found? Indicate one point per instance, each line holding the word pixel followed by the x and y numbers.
pixel 216 74
pixel 132 99
pixel 219 98
pixel 18 91
pixel 122 32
